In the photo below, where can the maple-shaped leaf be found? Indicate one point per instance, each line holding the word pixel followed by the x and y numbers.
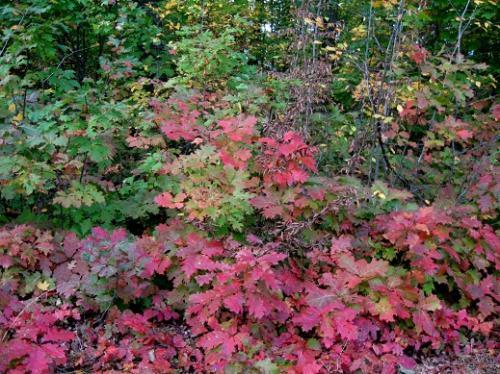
pixel 176 131
pixel 204 279
pixel 423 322
pixel 344 318
pixel 191 264
pixel 272 258
pixel 319 298
pixel 317 193
pixel 409 111
pixel 234 303
pixel 292 143
pixel 430 303
pixel 326 327
pixel 166 200
pixel 362 268
pixel 342 244
pixel 37 361
pixel 14 349
pixel 484 328
pixel 427 263
pixel 308 161
pixel 71 244
pixel 384 310
pixel 296 175
pixel 347 330
pixel 307 319
pixel 239 129
pixel 306 363
pixel 349 263
pixel 268 205
pixel 491 238
pixel 419 54
pixel 135 321
pixel 156 264
pixel 238 159
pixel 215 339
pixel 487 306
pixel 257 306
pixel 58 335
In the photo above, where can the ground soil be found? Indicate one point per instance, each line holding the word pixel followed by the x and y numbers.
pixel 476 363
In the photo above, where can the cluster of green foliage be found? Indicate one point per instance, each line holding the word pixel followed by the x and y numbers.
pixel 78 77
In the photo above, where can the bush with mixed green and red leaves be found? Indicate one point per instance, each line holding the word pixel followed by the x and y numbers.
pixel 247 187
pixel 265 268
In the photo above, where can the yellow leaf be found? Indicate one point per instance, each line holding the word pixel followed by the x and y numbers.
pixel 171 4
pixel 18 118
pixel 358 32
pixel 43 285
pixel 379 194
pixel 12 107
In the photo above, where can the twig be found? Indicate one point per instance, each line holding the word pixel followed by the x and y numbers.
pixel 19 24
pixel 64 59
pixel 31 302
pixel 461 30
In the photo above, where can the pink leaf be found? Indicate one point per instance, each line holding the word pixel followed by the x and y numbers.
pixel 234 303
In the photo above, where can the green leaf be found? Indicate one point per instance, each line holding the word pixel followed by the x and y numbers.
pixel 267 366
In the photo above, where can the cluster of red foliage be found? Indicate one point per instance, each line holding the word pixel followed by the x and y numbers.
pixel 367 295
pixel 245 303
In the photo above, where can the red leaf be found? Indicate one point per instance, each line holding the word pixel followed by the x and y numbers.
pixel 270 208
pixel 166 200
pixel 407 362
pixel 342 244
pixel 424 323
pixel 238 160
pixel 347 330
pixel 37 361
pixel 419 54
pixel 362 268
pixel 58 335
pixel 157 265
pixel 256 306
pixel 486 306
pixel 464 134
pixel 71 244
pixel 495 110
pixel 306 363
pixel 239 129
pixel 213 339
pixel 234 303
pixel 307 319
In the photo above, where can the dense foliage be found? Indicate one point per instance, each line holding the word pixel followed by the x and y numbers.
pixel 247 186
